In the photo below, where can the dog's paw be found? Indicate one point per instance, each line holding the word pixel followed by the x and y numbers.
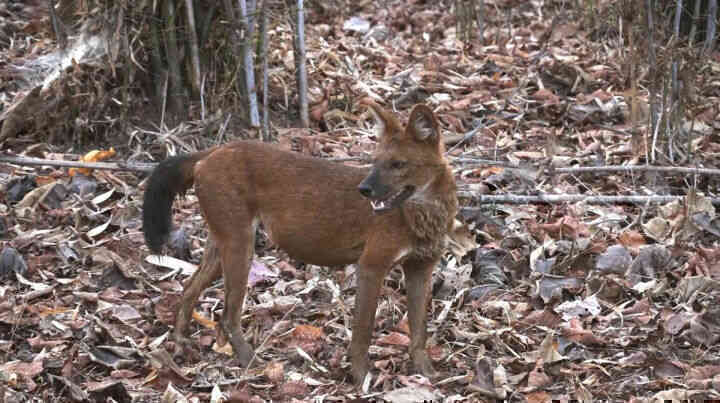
pixel 182 341
pixel 184 347
pixel 242 350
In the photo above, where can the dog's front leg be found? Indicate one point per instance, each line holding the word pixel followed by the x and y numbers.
pixel 369 281
pixel 418 276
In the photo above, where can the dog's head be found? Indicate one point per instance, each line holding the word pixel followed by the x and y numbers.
pixel 406 160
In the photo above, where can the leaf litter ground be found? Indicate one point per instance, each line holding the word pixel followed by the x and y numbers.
pixel 559 301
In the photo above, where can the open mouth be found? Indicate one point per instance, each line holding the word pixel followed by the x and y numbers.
pixel 380 206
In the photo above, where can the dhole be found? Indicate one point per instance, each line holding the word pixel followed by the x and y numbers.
pixel 398 211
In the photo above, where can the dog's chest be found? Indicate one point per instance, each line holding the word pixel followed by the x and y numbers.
pixel 429 224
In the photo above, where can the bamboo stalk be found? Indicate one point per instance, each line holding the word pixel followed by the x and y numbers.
pixel 480 19
pixel 711 26
pixel 653 74
pixel 173 58
pixel 193 45
pixel 674 88
pixel 300 64
pixel 695 19
pixel 264 53
pixel 58 26
pixel 158 70
pixel 248 63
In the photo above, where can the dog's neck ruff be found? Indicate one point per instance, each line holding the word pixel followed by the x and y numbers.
pixel 430 220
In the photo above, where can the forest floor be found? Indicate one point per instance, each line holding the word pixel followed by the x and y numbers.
pixel 579 299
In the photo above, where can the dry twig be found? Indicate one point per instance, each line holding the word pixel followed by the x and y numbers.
pixel 115 166
pixel 112 166
pixel 568 198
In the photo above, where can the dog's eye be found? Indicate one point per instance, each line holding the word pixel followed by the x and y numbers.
pixel 397 164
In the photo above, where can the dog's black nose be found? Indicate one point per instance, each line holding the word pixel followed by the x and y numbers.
pixel 365 189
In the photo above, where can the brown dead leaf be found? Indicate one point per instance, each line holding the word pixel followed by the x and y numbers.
pixel 599 94
pixel 403 326
pixel 308 332
pixel 537 378
pixel 572 228
pixel 25 370
pixel 575 332
pixel 545 317
pixel 124 374
pixel 92 156
pixel 239 396
pixel 636 359
pixel 501 60
pixel 676 322
pixel 205 322
pixel 632 240
pixel 538 397
pixel 394 339
pixel 318 110
pixel 290 389
pixel 437 352
pixel 275 372
pixel 38 342
pixel 545 95
pixel 703 372
pixel 548 351
pixel 705 327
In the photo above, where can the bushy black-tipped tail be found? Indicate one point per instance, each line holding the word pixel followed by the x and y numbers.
pixel 170 177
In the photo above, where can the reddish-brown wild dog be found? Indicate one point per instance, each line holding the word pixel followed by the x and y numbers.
pixel 316 212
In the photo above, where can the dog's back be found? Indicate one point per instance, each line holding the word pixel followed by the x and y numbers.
pixel 309 207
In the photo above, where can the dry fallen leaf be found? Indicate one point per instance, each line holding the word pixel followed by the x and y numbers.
pixel 92 156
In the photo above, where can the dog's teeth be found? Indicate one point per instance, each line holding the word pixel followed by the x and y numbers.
pixel 377 204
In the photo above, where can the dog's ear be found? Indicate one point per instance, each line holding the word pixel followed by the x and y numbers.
pixel 422 125
pixel 382 119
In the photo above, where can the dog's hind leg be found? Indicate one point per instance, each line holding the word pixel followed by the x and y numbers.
pixel 225 200
pixel 236 252
pixel 210 269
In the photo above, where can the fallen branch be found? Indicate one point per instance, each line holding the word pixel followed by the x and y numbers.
pixel 640 168
pixel 31 295
pixel 113 166
pixel 467 136
pixel 471 162
pixel 149 166
pixel 568 198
